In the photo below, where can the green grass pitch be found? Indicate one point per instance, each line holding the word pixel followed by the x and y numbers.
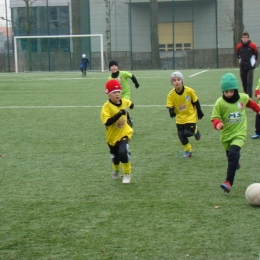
pixel 58 200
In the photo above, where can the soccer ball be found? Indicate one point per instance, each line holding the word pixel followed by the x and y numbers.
pixel 84 56
pixel 252 194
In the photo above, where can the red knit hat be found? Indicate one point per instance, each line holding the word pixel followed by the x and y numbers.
pixel 112 86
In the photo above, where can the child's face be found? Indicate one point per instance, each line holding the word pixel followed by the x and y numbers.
pixel 115 97
pixel 229 93
pixel 113 68
pixel 177 83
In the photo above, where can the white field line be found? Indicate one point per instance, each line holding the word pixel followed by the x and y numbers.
pixel 98 106
pixel 197 73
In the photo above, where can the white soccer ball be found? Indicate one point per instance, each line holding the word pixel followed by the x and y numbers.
pixel 84 56
pixel 252 194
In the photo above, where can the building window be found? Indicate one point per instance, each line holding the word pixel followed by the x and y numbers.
pixel 187 46
pixel 178 46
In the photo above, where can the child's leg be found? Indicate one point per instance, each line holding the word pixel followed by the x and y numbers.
pixel 257 124
pixel 124 157
pixel 233 156
pixel 124 151
pixel 185 131
pixel 182 137
pixel 115 161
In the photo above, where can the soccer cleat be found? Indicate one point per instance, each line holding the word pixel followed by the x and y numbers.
pixel 226 186
pixel 126 179
pixel 255 136
pixel 238 166
pixel 187 154
pixel 197 135
pixel 115 175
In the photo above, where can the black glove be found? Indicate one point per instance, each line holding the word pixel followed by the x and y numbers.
pixel 200 114
pixel 171 111
pixel 137 85
pixel 122 111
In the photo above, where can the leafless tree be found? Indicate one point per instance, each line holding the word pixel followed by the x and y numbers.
pixel 238 26
pixel 108 30
pixel 154 34
pixel 233 23
pixel 75 10
pixel 25 22
pixel 27 28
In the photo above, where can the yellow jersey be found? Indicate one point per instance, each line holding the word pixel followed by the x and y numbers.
pixel 183 105
pixel 120 128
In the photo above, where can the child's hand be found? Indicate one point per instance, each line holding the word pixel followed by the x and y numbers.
pixel 220 126
pixel 258 96
pixel 123 111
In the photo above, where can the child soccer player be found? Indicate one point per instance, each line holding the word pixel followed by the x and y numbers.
pixel 183 103
pixel 122 77
pixel 229 116
pixel 257 117
pixel 118 132
pixel 84 63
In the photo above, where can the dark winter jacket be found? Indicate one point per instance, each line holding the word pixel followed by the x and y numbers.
pixel 244 54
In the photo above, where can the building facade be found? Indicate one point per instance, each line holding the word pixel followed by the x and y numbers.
pixel 191 34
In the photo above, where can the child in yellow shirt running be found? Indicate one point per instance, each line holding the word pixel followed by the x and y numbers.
pixel 118 132
pixel 183 103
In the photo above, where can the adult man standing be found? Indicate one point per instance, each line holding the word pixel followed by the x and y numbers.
pixel 247 55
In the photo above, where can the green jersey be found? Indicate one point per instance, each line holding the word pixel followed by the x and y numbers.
pixel 122 78
pixel 233 117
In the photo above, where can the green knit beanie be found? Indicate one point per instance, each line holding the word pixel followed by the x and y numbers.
pixel 228 82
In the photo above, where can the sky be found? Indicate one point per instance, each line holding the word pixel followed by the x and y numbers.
pixel 2 11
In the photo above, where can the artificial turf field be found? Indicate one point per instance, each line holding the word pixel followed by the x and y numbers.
pixel 58 200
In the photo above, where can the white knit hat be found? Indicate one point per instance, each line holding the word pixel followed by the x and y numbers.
pixel 177 74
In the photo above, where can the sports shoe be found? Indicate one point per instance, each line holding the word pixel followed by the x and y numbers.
pixel 187 154
pixel 115 175
pixel 197 135
pixel 126 178
pixel 255 136
pixel 238 166
pixel 226 186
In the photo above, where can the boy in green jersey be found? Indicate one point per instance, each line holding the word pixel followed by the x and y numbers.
pixel 229 116
pixel 118 132
pixel 122 77
pixel 183 103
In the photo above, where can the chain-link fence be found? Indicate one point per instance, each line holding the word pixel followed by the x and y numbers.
pixel 171 34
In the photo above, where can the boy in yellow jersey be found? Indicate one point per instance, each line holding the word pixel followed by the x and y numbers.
pixel 122 77
pixel 183 103
pixel 118 132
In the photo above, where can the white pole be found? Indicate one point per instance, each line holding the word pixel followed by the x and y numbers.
pixel 101 50
pixel 15 56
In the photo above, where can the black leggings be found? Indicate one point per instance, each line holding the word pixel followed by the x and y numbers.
pixel 185 131
pixel 257 124
pixel 247 80
pixel 233 156
pixel 120 152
